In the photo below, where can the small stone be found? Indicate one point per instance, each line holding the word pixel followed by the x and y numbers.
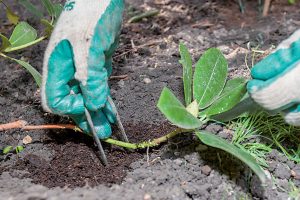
pixel 223 134
pixel 147 80
pixel 213 128
pixel 206 170
pixel 291 164
pixel 284 183
pixel 27 140
pixel 272 166
pixel 178 161
pixel 147 197
pixel 282 158
pixel 282 172
pixel 121 83
pixel 201 148
pixel 273 154
pixel 295 172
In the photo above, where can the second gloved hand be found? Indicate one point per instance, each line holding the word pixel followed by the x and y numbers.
pixel 77 62
pixel 276 80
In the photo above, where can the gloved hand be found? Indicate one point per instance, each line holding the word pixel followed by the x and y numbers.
pixel 78 61
pixel 276 84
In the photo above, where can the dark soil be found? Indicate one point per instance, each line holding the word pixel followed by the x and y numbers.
pixel 182 169
pixel 76 164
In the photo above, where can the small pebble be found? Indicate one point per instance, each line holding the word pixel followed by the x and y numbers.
pixel 213 128
pixel 282 172
pixel 147 80
pixel 295 172
pixel 223 134
pixel 291 164
pixel 147 197
pixel 206 170
pixel 178 161
pixel 272 166
pixel 121 83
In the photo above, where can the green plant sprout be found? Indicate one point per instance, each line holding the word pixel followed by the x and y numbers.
pixel 24 35
pixel 11 149
pixel 294 193
pixel 213 94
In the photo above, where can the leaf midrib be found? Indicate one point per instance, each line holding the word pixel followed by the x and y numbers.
pixel 22 36
pixel 203 95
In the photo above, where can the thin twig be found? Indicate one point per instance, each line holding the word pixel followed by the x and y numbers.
pixel 266 7
pixel 139 17
pixel 140 46
pixel 120 77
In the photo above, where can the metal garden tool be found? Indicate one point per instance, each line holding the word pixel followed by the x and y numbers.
pixel 121 131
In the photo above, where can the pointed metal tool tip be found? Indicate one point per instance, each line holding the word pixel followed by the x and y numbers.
pixel 97 140
pixel 121 133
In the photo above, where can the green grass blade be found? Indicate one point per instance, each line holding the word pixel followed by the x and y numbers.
pixel 11 16
pixel 31 8
pixel 58 8
pixel 175 112
pixel 209 77
pixel 217 142
pixel 5 42
pixel 49 7
pixel 186 62
pixel 22 34
pixel 233 92
pixel 36 75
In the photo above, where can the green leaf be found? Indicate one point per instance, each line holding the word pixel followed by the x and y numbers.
pixel 36 75
pixel 193 108
pixel 175 112
pixel 5 42
pixel 209 77
pixel 31 8
pixel 217 142
pixel 49 6
pixel 233 92
pixel 292 1
pixel 22 34
pixel 186 61
pixel 48 26
pixel 7 149
pixel 58 8
pixel 11 16
pixel 19 149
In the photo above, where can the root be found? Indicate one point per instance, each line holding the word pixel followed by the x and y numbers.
pixel 21 124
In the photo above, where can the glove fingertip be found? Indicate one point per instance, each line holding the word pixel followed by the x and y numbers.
pixel 255 85
pixel 292 115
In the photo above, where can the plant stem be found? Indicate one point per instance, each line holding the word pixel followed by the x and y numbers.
pixel 142 145
pixel 10 49
pixel 139 17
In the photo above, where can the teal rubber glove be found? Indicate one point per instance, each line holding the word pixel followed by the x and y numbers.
pixel 276 80
pixel 78 62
